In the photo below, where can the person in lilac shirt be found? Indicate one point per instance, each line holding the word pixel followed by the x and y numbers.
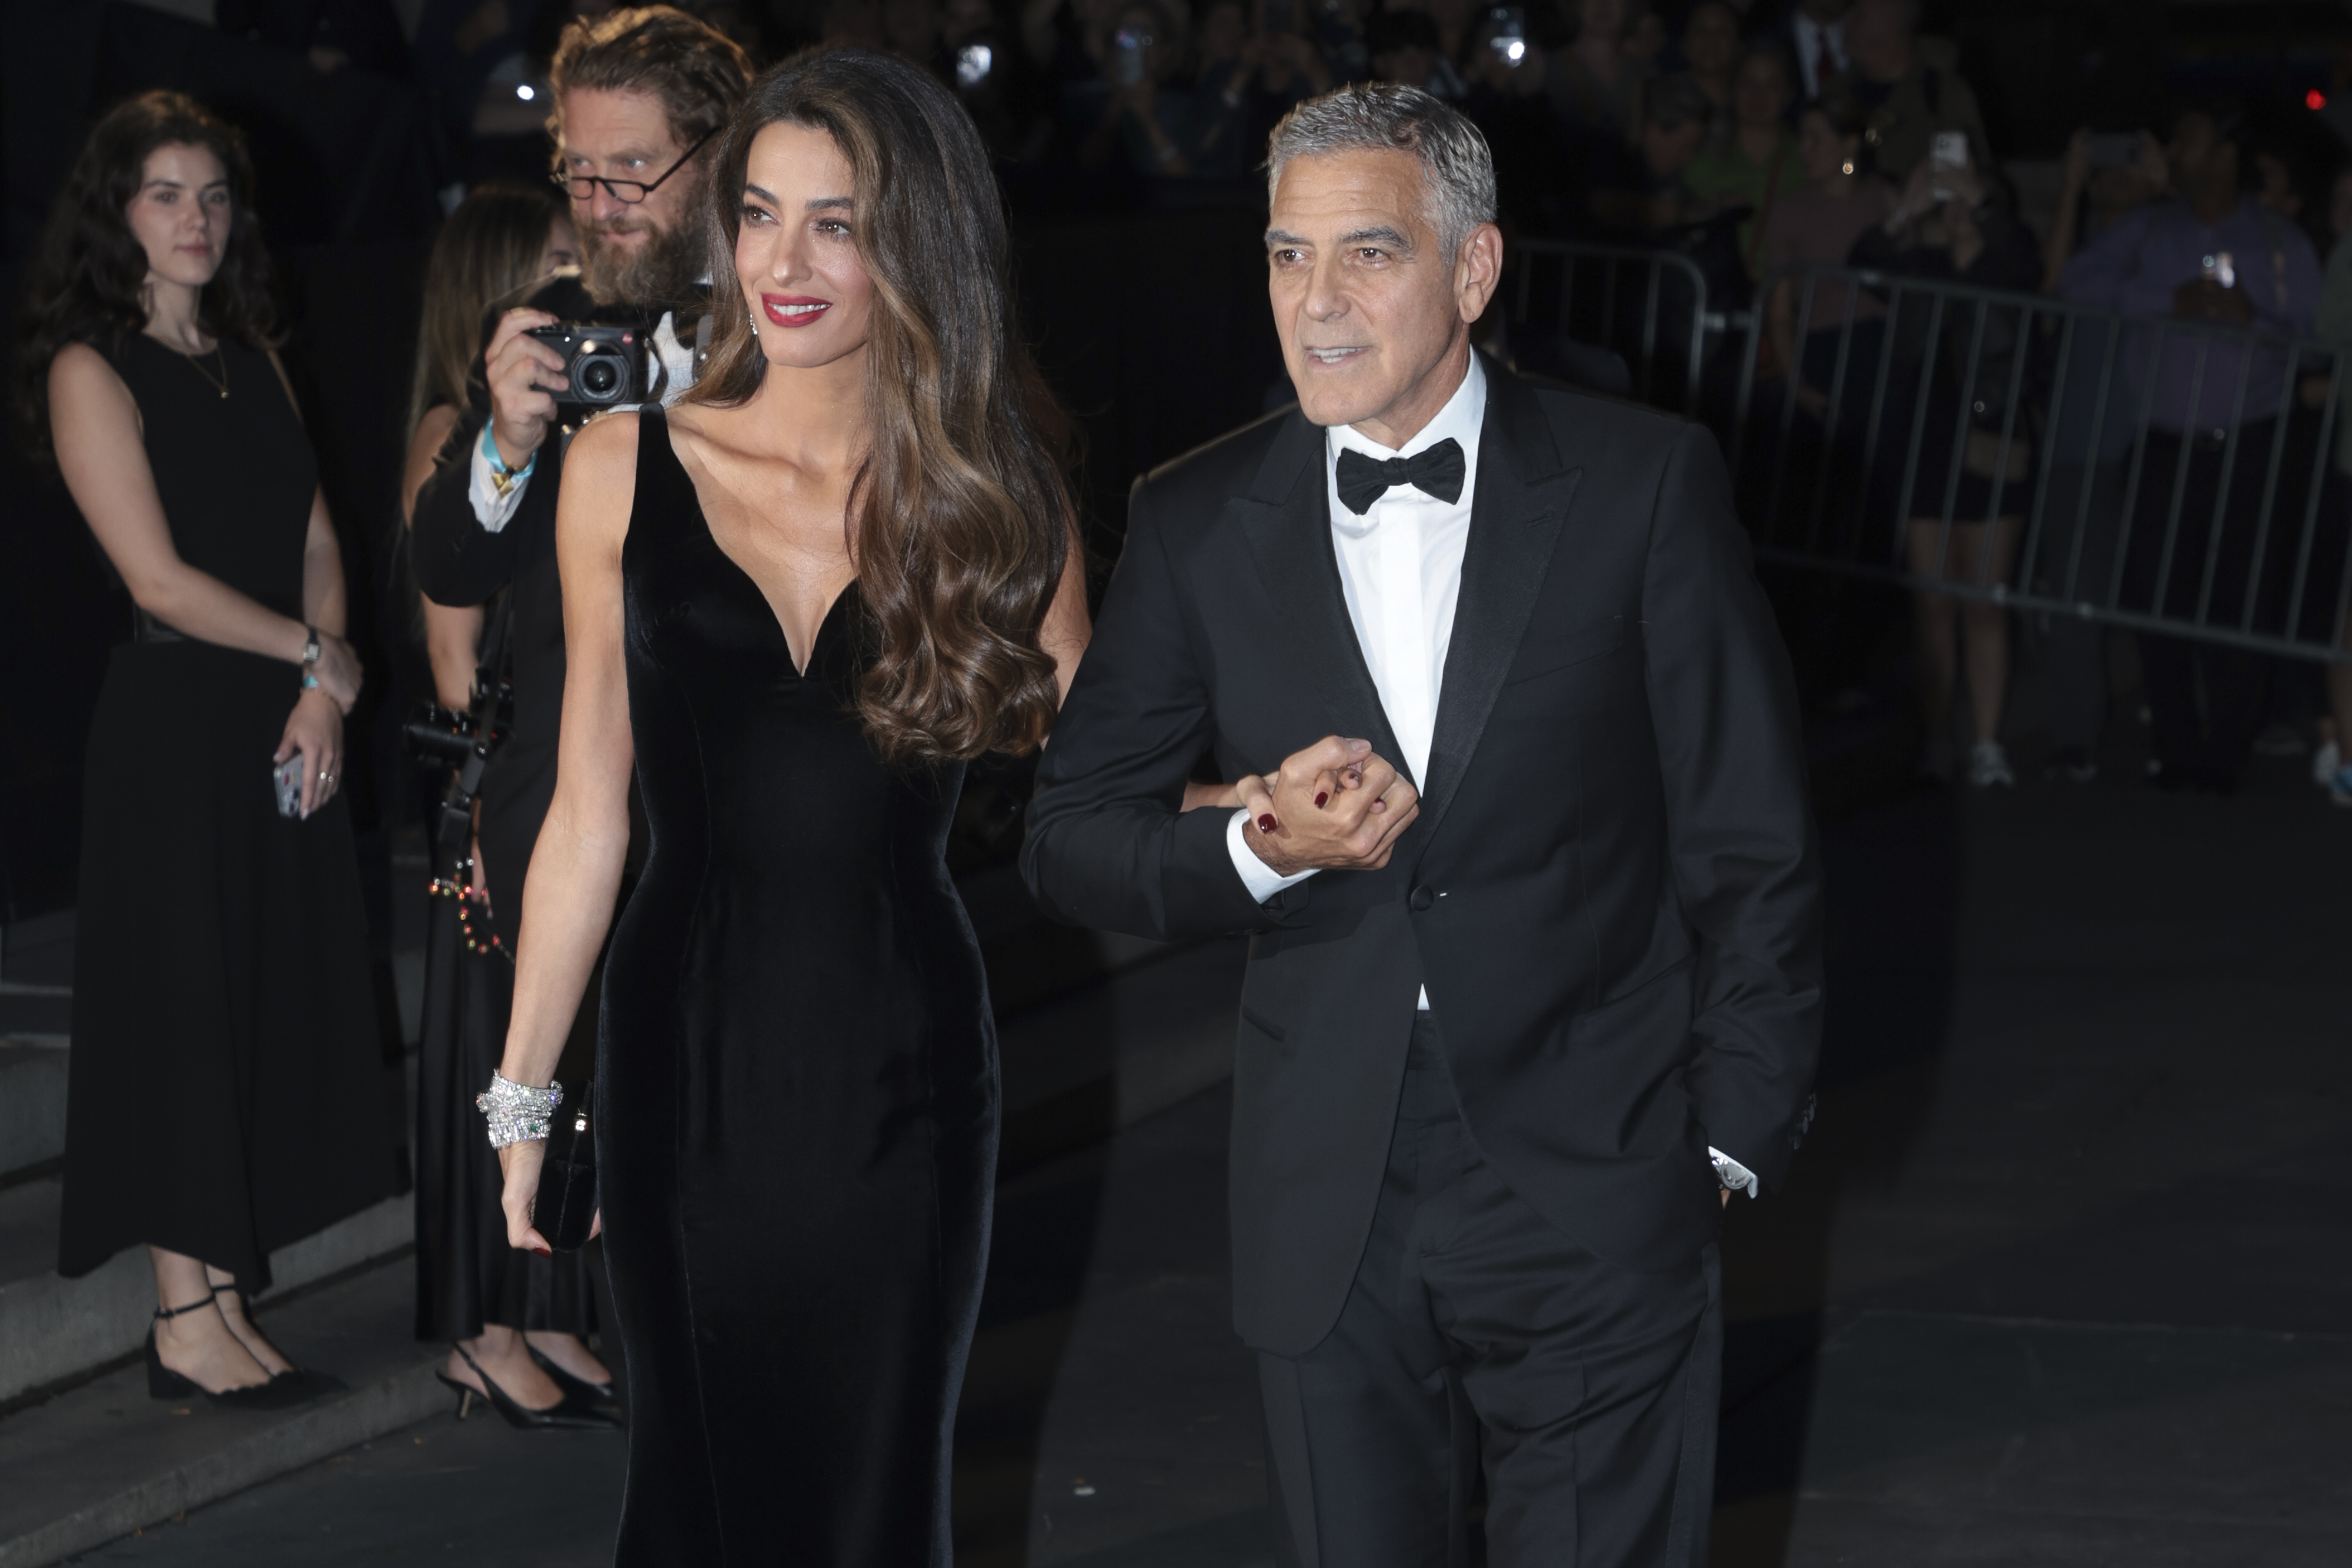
pixel 2212 257
pixel 2153 264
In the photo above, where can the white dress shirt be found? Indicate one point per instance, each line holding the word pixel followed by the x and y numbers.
pixel 1401 570
pixel 1810 35
pixel 670 370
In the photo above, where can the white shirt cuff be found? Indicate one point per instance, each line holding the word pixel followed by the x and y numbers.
pixel 1262 880
pixel 492 510
pixel 1734 1175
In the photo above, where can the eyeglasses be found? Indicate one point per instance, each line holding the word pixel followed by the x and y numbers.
pixel 582 187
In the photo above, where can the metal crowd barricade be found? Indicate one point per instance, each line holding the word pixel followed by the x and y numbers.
pixel 2165 475
pixel 1564 299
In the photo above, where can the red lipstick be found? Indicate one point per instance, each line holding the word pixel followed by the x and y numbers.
pixel 794 310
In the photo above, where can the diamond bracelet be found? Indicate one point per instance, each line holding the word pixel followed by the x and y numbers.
pixel 517 1114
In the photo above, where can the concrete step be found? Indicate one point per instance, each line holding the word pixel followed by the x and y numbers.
pixel 32 1101
pixel 53 1330
pixel 100 1459
pixel 106 1460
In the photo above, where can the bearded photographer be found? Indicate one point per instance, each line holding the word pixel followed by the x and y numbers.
pixel 640 98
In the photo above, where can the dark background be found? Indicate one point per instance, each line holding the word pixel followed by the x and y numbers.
pixel 1147 308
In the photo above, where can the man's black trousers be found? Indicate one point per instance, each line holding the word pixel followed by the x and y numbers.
pixel 1476 1333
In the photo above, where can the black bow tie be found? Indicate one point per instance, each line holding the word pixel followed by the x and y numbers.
pixel 1437 472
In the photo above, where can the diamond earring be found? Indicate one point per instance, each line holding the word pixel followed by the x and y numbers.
pixel 753 317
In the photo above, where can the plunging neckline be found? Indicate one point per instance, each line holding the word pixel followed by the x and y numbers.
pixel 816 638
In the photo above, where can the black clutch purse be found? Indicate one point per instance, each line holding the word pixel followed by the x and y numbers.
pixel 567 1178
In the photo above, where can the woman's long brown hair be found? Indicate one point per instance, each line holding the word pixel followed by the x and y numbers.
pixel 959 520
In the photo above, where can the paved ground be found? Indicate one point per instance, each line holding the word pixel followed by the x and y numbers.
pixel 2064 1276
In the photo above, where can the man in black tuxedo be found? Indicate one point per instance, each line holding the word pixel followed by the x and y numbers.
pixel 1535 925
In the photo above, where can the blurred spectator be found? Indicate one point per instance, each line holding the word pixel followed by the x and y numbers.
pixel 1816 226
pixel 1455 20
pixel 1281 57
pixel 914 30
pixel 1536 189
pixel 2107 176
pixel 1673 129
pixel 1409 39
pixel 494 1303
pixel 1054 34
pixel 1405 49
pixel 1339 31
pixel 1225 89
pixel 990 75
pixel 1758 162
pixel 852 25
pixel 1947 228
pixel 1815 34
pixel 330 34
pixel 1647 40
pixel 1129 114
pixel 1710 51
pixel 2331 323
pixel 2219 258
pixel 1909 97
pixel 1595 86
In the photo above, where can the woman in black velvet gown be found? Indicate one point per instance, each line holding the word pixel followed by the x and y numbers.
pixel 799 602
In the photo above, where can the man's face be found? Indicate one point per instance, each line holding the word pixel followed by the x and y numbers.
pixel 650 252
pixel 1878 39
pixel 2198 158
pixel 1366 304
pixel 1669 149
pixel 1759 93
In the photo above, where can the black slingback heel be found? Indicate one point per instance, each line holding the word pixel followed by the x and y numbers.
pixel 567 1412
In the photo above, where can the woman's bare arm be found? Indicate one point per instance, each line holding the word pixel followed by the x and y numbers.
pixel 95 422
pixel 453 632
pixel 323 569
pixel 575 871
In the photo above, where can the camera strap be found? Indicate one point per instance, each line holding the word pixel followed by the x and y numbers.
pixel 492 710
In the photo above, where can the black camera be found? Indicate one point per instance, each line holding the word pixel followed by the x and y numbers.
pixel 439 736
pixel 602 365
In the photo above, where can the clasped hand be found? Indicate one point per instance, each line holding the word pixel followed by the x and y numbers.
pixel 1335 806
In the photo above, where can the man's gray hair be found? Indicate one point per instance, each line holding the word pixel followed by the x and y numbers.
pixel 1456 165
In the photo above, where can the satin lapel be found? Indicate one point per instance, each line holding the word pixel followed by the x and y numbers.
pixel 1287 518
pixel 1522 501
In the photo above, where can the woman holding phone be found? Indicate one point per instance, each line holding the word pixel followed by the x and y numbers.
pixel 227 1092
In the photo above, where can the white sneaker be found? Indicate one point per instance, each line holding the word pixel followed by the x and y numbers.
pixel 2325 763
pixel 1989 766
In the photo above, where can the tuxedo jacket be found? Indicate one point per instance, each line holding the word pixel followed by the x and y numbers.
pixel 1613 892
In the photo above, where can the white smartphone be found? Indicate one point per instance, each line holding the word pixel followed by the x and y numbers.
pixel 287 777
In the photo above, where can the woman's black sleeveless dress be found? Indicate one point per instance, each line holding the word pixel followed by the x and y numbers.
pixel 796 1086
pixel 227 1092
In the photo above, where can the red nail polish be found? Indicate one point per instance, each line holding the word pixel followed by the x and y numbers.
pixel 1266 824
pixel 1321 796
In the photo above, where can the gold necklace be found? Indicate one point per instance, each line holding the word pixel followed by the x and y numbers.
pixel 197 365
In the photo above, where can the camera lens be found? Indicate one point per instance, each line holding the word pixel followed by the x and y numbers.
pixel 599 377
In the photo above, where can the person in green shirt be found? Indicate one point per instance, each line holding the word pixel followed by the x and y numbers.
pixel 1759 164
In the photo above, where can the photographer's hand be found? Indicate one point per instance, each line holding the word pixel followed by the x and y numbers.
pixel 520 369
